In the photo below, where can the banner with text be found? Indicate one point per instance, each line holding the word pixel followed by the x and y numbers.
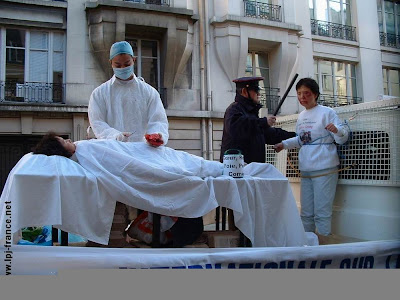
pixel 45 260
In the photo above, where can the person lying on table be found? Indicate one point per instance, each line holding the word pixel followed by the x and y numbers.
pixel 163 158
pixel 148 170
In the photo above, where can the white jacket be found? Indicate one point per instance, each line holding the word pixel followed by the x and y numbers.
pixel 317 150
pixel 127 106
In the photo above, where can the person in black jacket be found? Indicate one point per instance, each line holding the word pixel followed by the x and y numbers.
pixel 244 129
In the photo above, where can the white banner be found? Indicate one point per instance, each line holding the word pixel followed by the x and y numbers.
pixel 44 260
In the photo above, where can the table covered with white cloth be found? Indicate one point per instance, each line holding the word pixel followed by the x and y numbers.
pixel 80 197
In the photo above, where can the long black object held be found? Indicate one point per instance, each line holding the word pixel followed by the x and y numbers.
pixel 285 95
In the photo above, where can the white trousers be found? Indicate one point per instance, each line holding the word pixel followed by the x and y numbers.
pixel 317 195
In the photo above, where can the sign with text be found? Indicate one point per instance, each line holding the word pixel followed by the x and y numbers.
pixel 45 260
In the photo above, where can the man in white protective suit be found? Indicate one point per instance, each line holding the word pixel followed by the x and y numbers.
pixel 127 109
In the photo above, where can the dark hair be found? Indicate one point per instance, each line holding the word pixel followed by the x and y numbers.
pixel 50 145
pixel 309 83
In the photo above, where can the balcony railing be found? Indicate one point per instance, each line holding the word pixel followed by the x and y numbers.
pixel 259 10
pixel 337 100
pixel 155 2
pixel 269 98
pixel 333 30
pixel 389 40
pixel 32 92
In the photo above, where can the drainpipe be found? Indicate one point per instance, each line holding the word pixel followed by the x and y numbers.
pixel 202 80
pixel 294 71
pixel 208 87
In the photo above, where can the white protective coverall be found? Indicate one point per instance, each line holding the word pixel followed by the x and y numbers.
pixel 133 106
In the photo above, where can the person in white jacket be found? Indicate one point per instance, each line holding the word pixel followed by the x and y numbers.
pixel 125 108
pixel 318 128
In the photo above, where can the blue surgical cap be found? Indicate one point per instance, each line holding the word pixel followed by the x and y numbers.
pixel 120 48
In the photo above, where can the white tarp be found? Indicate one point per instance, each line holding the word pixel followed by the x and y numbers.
pixel 38 260
pixel 54 190
pixel 80 198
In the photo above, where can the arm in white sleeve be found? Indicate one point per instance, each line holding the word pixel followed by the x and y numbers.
pixel 291 143
pixel 343 130
pixel 97 115
pixel 342 135
pixel 157 118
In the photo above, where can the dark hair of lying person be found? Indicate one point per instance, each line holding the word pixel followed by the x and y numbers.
pixel 50 145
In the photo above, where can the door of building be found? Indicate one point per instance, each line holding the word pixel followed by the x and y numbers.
pixel 12 148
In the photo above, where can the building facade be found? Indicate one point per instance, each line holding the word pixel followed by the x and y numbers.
pixel 54 53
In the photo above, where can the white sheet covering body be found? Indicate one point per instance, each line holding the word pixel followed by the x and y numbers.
pixel 81 198
pixel 54 190
pixel 161 180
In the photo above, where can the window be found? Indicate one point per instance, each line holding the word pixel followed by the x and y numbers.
pixel 334 11
pixel 337 81
pixel 391 82
pixel 263 9
pixel 34 65
pixel 389 23
pixel 332 18
pixel 257 64
pixel 38 56
pixel 147 61
pixel 15 62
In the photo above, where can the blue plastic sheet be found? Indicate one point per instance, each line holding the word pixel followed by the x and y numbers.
pixel 45 238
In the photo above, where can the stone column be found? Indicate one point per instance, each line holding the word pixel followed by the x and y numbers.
pixel 365 18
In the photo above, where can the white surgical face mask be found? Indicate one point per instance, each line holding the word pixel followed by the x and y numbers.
pixel 123 73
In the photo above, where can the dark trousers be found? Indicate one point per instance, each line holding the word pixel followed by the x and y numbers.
pixel 186 231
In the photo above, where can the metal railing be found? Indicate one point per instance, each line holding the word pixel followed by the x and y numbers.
pixel 269 98
pixel 337 100
pixel 155 2
pixel 32 92
pixel 373 145
pixel 333 30
pixel 259 10
pixel 389 40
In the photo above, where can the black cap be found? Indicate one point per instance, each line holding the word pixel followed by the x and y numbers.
pixel 248 82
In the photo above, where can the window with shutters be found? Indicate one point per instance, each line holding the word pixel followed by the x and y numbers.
pixel 32 67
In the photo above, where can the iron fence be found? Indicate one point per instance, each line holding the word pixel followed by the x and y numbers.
pixel 338 100
pixel 372 153
pixel 334 30
pixel 260 10
pixel 32 92
pixel 389 40
pixel 269 98
pixel 155 2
